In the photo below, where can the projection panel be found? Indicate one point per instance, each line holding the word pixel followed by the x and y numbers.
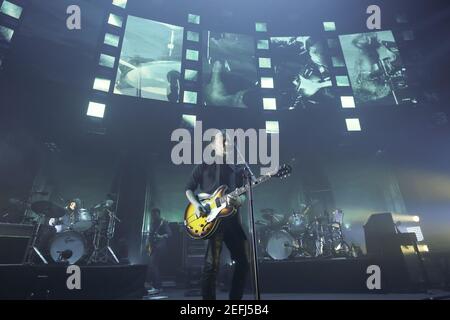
pixel 150 61
pixel 376 72
pixel 301 71
pixel 229 70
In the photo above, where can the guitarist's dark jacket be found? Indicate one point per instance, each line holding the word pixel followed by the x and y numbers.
pixel 208 177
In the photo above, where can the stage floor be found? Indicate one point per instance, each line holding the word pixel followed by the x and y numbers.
pixel 179 294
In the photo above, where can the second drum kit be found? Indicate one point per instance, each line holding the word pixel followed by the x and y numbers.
pixel 301 235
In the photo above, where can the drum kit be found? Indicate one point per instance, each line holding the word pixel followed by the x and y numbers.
pixel 301 235
pixel 84 238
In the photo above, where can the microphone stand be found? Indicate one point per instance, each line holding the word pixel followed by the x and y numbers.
pixel 250 178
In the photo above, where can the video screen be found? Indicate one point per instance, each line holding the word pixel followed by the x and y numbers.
pixel 375 69
pixel 150 61
pixel 301 72
pixel 229 70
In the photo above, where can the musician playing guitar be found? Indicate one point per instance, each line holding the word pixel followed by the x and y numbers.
pixel 207 178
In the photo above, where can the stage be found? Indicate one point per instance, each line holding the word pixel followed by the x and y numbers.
pixel 307 279
pixel 179 294
pixel 49 282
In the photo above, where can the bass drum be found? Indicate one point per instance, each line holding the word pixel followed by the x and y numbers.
pixel 68 246
pixel 280 245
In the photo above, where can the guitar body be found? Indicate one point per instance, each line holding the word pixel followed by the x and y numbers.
pixel 201 227
pixel 217 207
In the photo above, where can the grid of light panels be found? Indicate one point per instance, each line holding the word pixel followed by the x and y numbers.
pixel 265 74
pixel 192 60
pixel 190 87
pixel 106 65
pixel 340 77
pixel 11 12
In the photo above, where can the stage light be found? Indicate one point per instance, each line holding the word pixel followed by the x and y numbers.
pixel 191 75
pixel 191 55
pixel 261 27
pixel 417 230
pixel 265 63
pixel 189 120
pixel 120 3
pixel 115 20
pixel 190 97
pixel 337 62
pixel 353 124
pixel 405 218
pixel 193 36
pixel 272 127
pixel 6 34
pixel 11 9
pixel 347 226
pixel 408 250
pixel 96 110
pixel 262 44
pixel 111 40
pixel 347 102
pixel 342 81
pixel 193 18
pixel 267 83
pixel 102 84
pixel 107 60
pixel 329 26
pixel 269 104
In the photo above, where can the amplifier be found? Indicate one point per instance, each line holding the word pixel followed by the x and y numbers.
pixel 14 241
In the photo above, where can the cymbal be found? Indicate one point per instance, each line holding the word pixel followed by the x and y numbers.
pixel 273 218
pixel 48 209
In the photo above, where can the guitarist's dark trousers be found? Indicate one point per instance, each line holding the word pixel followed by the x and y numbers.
pixel 234 238
pixel 154 263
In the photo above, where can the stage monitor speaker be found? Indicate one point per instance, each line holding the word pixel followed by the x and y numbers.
pixel 14 241
pixel 384 243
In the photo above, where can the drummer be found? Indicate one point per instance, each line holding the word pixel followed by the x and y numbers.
pixel 65 222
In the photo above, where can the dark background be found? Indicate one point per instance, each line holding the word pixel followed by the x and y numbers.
pixel 398 162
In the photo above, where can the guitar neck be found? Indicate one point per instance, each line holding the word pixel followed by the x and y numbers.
pixel 238 191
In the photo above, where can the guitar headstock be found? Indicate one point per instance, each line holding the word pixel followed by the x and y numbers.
pixel 283 172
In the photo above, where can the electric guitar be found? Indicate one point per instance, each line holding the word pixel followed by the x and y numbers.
pixel 217 206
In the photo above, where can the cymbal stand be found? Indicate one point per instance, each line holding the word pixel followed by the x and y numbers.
pixel 32 248
pixel 102 254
